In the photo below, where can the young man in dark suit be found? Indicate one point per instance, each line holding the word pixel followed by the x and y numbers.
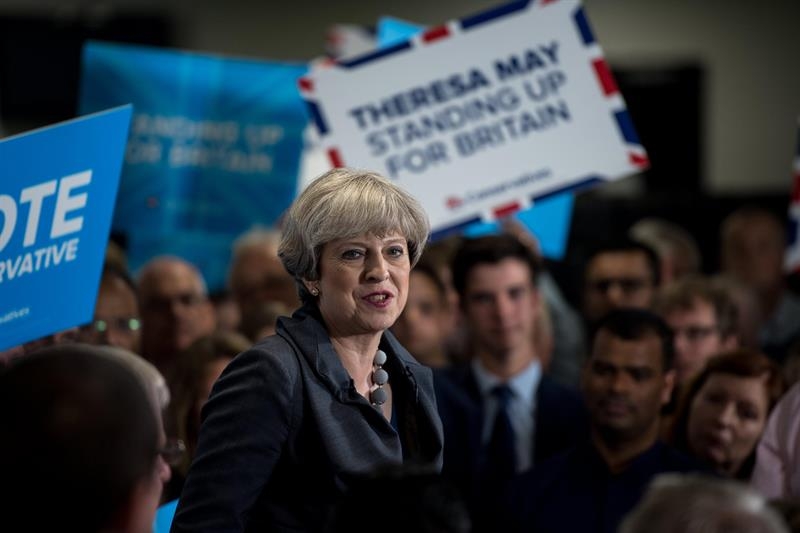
pixel 501 414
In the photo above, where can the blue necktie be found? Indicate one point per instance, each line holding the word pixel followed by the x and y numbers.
pixel 501 453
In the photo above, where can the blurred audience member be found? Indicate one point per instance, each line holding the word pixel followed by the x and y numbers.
pixel 197 369
pixel 115 257
pixel 175 309
pixel 560 335
pixel 500 415
pixel 777 470
pixel 116 313
pixel 439 255
pixel 82 443
pixel 261 319
pixel 703 319
pixel 622 273
pixel 724 410
pixel 748 308
pixel 256 273
pixel 753 243
pixel 678 252
pixel 226 310
pixel 626 381
pixel 424 323
pixel 677 503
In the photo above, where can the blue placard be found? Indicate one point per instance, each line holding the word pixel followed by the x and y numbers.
pixel 57 191
pixel 549 219
pixel 214 148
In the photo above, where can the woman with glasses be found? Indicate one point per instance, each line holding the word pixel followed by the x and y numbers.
pixel 116 313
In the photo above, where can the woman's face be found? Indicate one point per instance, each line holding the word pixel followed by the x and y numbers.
pixel 363 283
pixel 422 327
pixel 726 419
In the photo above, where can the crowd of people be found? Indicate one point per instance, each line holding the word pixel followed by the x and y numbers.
pixel 354 375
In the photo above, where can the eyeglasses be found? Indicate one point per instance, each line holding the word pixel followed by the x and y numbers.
pixel 118 324
pixel 627 285
pixel 173 452
pixel 695 333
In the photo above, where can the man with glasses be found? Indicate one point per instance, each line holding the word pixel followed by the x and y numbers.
pixel 703 320
pixel 619 274
pixel 175 309
pixel 116 313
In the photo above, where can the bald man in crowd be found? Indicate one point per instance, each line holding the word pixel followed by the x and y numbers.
pixel 753 245
pixel 257 275
pixel 175 309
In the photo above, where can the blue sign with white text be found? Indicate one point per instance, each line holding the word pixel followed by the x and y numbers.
pixel 548 219
pixel 57 191
pixel 214 148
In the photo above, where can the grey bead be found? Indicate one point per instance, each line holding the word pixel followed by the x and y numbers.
pixel 380 358
pixel 380 377
pixel 378 396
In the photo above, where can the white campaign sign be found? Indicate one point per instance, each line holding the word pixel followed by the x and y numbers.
pixel 478 117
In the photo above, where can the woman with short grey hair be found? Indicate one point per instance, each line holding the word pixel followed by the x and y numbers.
pixel 332 394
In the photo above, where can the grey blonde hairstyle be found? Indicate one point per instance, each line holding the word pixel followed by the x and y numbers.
pixel 690 503
pixel 343 204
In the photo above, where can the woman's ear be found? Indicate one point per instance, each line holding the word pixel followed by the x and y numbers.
pixel 312 287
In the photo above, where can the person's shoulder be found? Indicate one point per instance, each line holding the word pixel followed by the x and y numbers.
pixel 674 460
pixel 271 357
pixel 454 379
pixel 534 485
pixel 456 390
pixel 457 374
pixel 559 399
pixel 549 385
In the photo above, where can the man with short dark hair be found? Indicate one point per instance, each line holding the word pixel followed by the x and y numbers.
pixel 500 414
pixel 703 320
pixel 81 442
pixel 625 382
pixel 619 273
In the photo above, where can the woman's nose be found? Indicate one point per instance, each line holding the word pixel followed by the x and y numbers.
pixel 377 269
pixel 726 416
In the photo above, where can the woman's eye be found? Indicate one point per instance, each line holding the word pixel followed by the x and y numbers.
pixel 352 254
pixel 747 413
pixel 715 398
pixel 396 251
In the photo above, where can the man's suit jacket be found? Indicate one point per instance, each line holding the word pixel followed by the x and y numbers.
pixel 560 422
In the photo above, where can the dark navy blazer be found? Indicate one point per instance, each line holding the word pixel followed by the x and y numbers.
pixel 560 422
pixel 575 491
pixel 284 429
